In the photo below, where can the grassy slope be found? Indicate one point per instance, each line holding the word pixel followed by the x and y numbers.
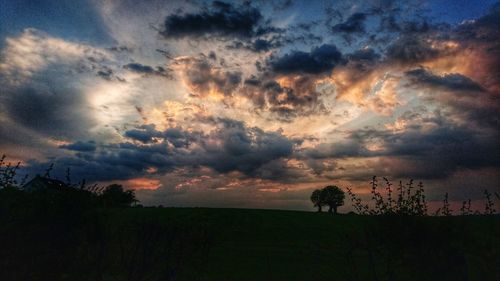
pixel 288 245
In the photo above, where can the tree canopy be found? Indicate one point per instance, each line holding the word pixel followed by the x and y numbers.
pixel 115 196
pixel 331 196
pixel 316 199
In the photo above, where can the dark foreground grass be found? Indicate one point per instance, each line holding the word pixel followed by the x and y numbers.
pixel 238 245
pixel 287 245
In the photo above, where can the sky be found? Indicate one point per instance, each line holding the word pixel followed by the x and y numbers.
pixel 253 104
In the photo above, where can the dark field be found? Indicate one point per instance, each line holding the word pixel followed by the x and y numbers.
pixel 237 244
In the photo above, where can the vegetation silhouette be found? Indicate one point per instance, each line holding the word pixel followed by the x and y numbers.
pixel 331 196
pixel 317 199
pixel 411 201
pixel 55 230
pixel 114 196
pixel 65 230
pixel 398 240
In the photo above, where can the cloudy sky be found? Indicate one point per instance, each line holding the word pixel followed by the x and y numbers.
pixel 253 104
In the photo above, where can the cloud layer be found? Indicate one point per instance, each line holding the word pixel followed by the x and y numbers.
pixel 256 100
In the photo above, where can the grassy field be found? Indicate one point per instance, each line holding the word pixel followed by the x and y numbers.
pixel 238 245
pixel 287 245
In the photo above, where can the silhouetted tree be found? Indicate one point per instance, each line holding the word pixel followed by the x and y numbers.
pixel 333 196
pixel 8 173
pixel 317 200
pixel 114 196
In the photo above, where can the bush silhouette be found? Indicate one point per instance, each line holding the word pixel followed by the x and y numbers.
pixel 114 196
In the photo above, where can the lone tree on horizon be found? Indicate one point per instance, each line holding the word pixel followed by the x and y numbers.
pixel 331 196
pixel 317 200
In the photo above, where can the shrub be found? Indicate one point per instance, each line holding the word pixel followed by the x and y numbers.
pixel 411 201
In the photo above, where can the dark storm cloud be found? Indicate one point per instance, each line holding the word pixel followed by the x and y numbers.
pixel 461 146
pixel 47 101
pixel 299 72
pixel 453 81
pixel 137 156
pixel 117 161
pixel 180 138
pixel 289 37
pixel 360 63
pixel 353 147
pixel 320 60
pixel 366 55
pixel 389 23
pixel 121 49
pixel 435 153
pixel 446 149
pixel 144 133
pixel 212 55
pixel 47 110
pixel 106 74
pixel 353 24
pixel 252 81
pixel 240 148
pixel 279 170
pixel 280 5
pixel 300 97
pixel 377 22
pixel 222 20
pixel 114 162
pixel 80 146
pixel 231 146
pixel 137 67
pixel 148 134
pixel 484 34
pixel 397 17
pixel 202 76
pixel 411 49
pixel 415 27
pixel 486 28
pixel 148 70
pixel 462 96
pixel 257 45
pixel 49 97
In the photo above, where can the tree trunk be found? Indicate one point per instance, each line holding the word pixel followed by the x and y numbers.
pixel 332 209
pixel 319 208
